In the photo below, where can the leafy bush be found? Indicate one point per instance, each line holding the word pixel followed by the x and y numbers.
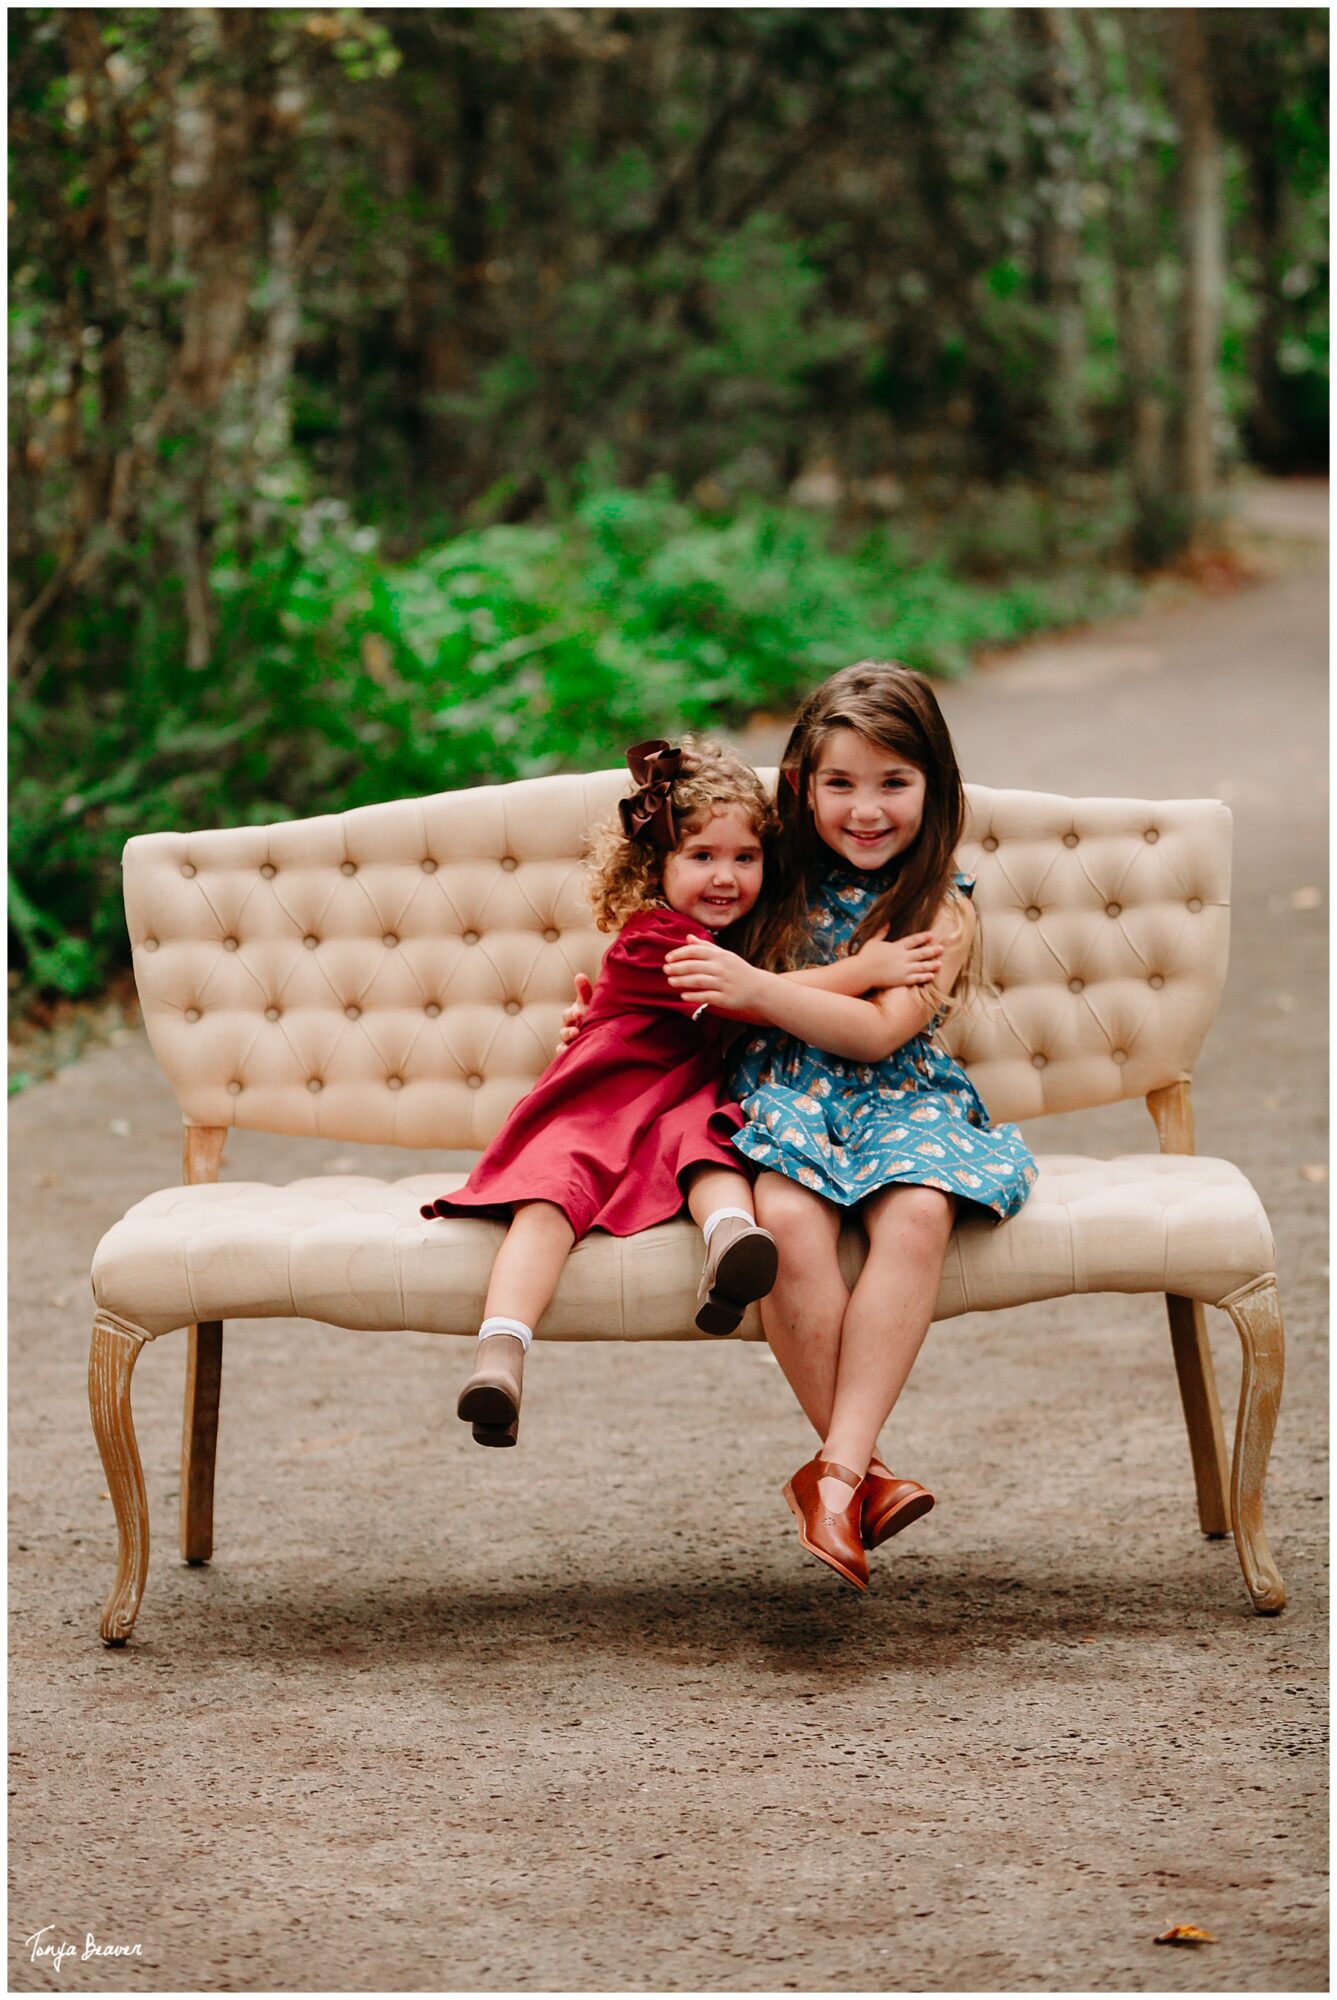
pixel 341 679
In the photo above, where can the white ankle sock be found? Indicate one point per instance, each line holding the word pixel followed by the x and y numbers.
pixel 722 1215
pixel 516 1327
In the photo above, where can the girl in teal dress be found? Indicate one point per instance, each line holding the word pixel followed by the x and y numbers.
pixel 851 1103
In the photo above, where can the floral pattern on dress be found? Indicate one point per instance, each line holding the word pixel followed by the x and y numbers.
pixel 848 1129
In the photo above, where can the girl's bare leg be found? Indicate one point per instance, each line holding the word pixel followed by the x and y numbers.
pixel 802 1316
pixel 717 1187
pixel 886 1320
pixel 529 1263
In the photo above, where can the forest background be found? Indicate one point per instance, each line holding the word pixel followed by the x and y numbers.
pixel 407 398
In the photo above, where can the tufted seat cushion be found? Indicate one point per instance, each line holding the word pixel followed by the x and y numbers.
pixel 354 1251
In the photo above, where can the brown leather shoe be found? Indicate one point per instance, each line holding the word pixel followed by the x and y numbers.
pixel 490 1399
pixel 741 1262
pixel 890 1504
pixel 497 1434
pixel 833 1537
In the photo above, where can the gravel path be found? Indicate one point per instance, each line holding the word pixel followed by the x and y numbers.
pixel 582 1716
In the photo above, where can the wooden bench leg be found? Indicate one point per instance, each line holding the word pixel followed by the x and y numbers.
pixel 1202 1412
pixel 111 1361
pixel 1257 1316
pixel 199 1439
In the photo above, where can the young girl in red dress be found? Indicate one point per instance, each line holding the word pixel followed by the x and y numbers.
pixel 630 1121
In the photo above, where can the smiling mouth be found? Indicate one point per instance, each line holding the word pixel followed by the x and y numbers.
pixel 869 839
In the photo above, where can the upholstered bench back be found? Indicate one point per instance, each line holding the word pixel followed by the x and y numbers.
pixel 397 974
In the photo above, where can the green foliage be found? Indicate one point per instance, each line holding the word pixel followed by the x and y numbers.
pixel 569 303
pixel 342 678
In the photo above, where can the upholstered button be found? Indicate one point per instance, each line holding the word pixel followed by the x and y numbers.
pixel 550 936
pixel 271 1013
pixel 192 1013
pixel 187 869
pixel 1114 909
pixel 1156 980
pixel 1076 986
pixel 1070 840
pixel 509 863
pixel 1119 1055
pixel 1032 912
pixel 229 944
pixel 1039 1061
pixel 989 844
pixel 234 1088
pixel 314 1083
pixel 431 1010
pixel 1151 835
pixel 352 1013
pixel 429 866
pixel 389 940
pixel 470 937
pixel 1195 904
pixel 310 942
pixel 512 1007
pixel 394 1083
pixel 348 868
pixel 150 944
pixel 473 1080
pixel 269 871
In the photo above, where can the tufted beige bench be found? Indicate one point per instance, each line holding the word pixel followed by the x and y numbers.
pixel 398 974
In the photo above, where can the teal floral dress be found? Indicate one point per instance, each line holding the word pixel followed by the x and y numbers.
pixel 847 1129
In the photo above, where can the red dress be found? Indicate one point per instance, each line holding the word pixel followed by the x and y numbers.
pixel 618 1117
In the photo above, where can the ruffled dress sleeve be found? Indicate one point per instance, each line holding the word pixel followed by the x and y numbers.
pixel 634 966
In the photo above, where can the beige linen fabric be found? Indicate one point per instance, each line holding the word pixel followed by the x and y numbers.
pixel 355 1252
pixel 398 974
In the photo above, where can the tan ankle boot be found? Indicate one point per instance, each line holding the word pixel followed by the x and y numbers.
pixel 741 1262
pixel 490 1399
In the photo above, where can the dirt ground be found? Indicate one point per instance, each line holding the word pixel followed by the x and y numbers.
pixel 582 1715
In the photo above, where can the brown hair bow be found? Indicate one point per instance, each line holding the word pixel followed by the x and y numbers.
pixel 649 810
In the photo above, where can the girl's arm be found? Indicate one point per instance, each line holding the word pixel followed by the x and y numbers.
pixel 907 961
pixel 862 1030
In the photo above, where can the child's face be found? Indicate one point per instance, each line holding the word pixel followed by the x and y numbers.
pixel 714 876
pixel 867 803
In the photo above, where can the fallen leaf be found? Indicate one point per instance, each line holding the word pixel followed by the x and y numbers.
pixel 1317 1172
pixel 1184 1934
pixel 1306 899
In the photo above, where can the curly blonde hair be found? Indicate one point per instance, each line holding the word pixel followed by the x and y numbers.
pixel 626 876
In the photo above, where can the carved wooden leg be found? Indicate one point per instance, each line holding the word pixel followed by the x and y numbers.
pixel 199 1439
pixel 111 1360
pixel 1257 1316
pixel 1202 1413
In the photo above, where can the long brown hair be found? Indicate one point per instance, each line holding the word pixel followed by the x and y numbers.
pixel 895 708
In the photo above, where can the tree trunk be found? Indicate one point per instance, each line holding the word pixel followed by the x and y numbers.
pixel 1058 236
pixel 1202 238
pixel 1122 62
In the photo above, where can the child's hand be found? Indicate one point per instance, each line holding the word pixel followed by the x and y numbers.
pixel 574 1016
pixel 907 961
pixel 706 973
